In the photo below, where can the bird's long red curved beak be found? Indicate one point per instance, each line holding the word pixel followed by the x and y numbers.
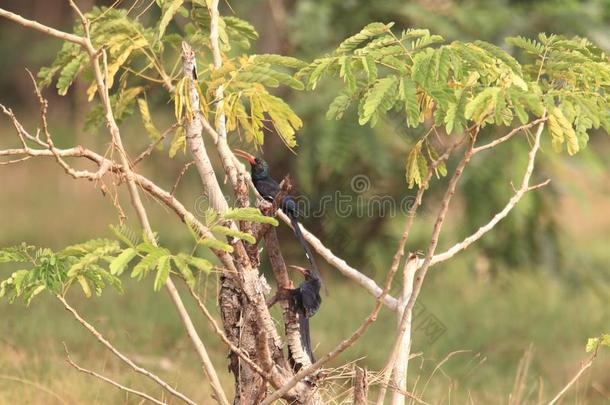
pixel 300 269
pixel 250 158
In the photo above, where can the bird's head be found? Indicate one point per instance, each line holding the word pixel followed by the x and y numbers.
pixel 305 272
pixel 258 167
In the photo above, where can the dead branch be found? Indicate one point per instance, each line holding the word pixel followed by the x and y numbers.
pixel 226 156
pixel 364 281
pixel 417 203
pixel 42 28
pixel 361 387
pixel 399 371
pixel 508 136
pixel 523 189
pixel 193 135
pixel 427 262
pixel 578 374
pixel 110 381
pixel 244 356
pixel 147 152
pixel 121 356
pixel 180 176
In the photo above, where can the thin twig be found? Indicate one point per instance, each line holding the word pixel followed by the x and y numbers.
pixel 244 356
pixel 182 173
pixel 579 373
pixel 121 356
pixel 110 381
pixel 523 189
pixel 35 385
pixel 42 28
pixel 508 136
pixel 8 162
pixel 153 145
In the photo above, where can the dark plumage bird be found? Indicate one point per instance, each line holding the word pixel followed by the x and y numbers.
pixel 306 300
pixel 306 297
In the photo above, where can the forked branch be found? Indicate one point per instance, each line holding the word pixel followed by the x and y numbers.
pixel 111 381
pixel 121 356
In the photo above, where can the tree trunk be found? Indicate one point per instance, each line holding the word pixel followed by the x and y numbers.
pixel 399 373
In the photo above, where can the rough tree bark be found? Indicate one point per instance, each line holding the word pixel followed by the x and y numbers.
pixel 246 319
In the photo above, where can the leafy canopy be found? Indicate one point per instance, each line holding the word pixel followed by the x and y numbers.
pixel 467 84
pixel 135 66
pixel 99 262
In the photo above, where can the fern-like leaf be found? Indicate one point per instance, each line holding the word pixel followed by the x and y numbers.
pixel 379 99
pixel 370 31
pixel 250 214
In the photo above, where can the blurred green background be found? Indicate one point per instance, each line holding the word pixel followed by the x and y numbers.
pixel 540 280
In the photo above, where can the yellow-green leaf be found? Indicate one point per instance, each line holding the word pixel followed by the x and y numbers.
pixel 152 131
pixel 223 230
pixel 169 10
pixel 118 264
pixel 84 285
pixel 163 268
pixel 185 270
pixel 179 142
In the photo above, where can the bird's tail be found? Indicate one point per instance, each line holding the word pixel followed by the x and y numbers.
pixel 297 231
pixel 305 337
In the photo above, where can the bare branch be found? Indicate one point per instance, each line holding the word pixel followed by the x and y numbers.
pixel 194 138
pixel 428 261
pixel 162 195
pixel 244 356
pixel 508 136
pixel 8 162
pixel 361 387
pixel 411 215
pixel 153 145
pixel 121 356
pixel 399 371
pixel 41 27
pixel 110 381
pixel 22 133
pixel 182 173
pixel 228 160
pixel 365 282
pixel 579 373
pixel 523 189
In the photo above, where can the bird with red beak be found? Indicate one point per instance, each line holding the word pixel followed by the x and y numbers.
pixel 306 298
